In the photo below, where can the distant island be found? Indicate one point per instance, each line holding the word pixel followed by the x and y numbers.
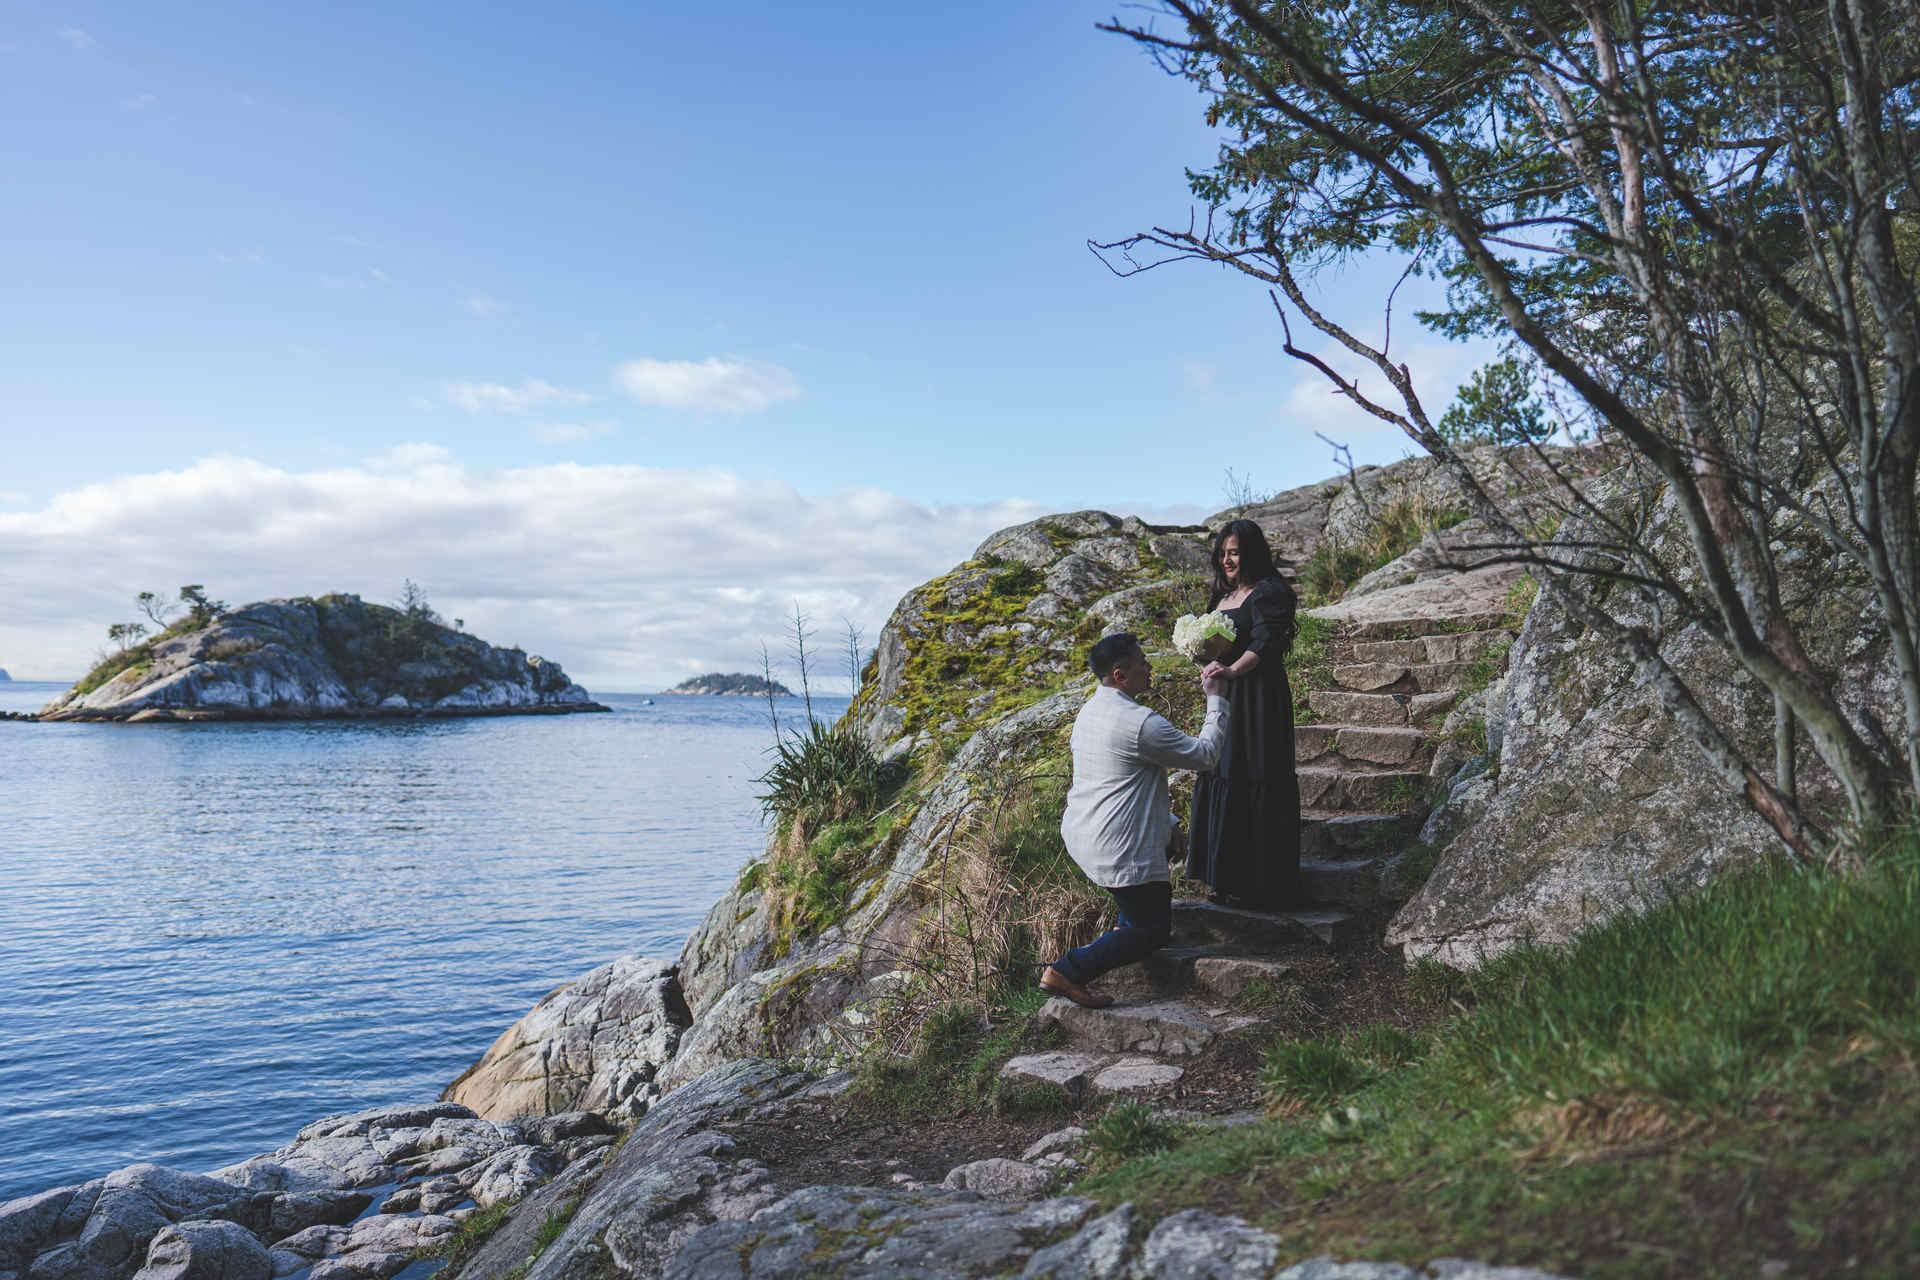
pixel 312 657
pixel 4 677
pixel 732 685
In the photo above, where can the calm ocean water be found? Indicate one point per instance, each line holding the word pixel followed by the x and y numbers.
pixel 211 935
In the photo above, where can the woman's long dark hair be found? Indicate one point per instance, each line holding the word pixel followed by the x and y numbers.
pixel 1256 557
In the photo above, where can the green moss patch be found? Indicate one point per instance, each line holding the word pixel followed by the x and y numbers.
pixel 966 665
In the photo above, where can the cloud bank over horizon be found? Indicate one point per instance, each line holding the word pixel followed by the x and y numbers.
pixel 631 577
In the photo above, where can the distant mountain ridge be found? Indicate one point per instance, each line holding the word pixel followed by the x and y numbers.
pixel 733 685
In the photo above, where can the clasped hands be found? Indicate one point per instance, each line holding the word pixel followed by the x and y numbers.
pixel 1213 679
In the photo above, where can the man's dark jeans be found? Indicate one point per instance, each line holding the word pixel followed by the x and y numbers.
pixel 1145 925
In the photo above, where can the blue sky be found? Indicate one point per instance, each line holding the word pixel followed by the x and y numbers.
pixel 811 249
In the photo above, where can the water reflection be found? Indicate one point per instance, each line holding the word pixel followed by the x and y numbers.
pixel 212 935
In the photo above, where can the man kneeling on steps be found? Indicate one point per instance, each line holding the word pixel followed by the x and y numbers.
pixel 1118 822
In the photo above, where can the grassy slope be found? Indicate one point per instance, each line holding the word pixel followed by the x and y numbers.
pixel 1721 1082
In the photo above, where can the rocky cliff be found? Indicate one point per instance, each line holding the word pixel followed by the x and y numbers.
pixel 1589 800
pixel 316 657
pixel 1564 799
pixel 4 677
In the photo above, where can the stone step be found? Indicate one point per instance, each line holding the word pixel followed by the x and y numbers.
pixel 1379 710
pixel 1240 931
pixel 1353 883
pixel 1458 646
pixel 1334 834
pixel 1180 970
pixel 1419 677
pixel 1135 1077
pixel 1169 1028
pixel 1363 745
pixel 1068 1071
pixel 1395 790
pixel 1418 627
pixel 1079 1076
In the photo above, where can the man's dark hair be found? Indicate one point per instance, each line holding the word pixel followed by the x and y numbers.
pixel 1110 651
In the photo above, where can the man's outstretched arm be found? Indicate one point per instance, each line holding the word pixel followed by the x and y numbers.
pixel 1164 745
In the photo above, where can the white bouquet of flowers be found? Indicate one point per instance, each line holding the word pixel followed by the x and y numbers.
pixel 1206 637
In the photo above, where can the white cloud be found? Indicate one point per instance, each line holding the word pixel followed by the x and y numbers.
pixel 631 577
pixel 498 397
pixel 1199 375
pixel 484 306
pixel 718 384
pixel 570 432
pixel 77 38
pixel 378 276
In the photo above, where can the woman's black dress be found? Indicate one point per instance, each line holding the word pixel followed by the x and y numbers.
pixel 1246 813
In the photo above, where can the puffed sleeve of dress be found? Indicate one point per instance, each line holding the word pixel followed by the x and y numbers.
pixel 1273 605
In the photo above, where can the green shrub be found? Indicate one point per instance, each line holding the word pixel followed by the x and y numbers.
pixel 134 658
pixel 823 775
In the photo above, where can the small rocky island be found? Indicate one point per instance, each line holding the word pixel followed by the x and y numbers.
pixel 316 657
pixel 733 685
pixel 4 677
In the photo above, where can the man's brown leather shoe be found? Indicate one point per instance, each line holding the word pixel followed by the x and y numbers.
pixel 1059 984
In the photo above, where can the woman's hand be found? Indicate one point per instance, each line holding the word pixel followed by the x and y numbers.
pixel 1216 671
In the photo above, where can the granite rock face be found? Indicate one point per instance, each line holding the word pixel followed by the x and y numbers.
pixel 205 1251
pixel 300 1206
pixel 596 1044
pixel 322 657
pixel 795 1006
pixel 1600 803
pixel 867 1233
pixel 669 1179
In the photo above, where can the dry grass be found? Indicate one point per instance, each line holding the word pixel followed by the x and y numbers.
pixel 1584 1126
pixel 1002 898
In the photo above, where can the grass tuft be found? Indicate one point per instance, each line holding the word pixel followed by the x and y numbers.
pixel 1397 528
pixel 1302 1075
pixel 1127 1131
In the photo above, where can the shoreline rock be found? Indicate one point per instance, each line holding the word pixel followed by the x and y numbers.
pixel 352 1197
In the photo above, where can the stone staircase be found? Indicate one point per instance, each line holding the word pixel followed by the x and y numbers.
pixel 1364 765
pixel 1365 762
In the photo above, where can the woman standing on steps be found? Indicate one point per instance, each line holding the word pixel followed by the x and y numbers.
pixel 1245 834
